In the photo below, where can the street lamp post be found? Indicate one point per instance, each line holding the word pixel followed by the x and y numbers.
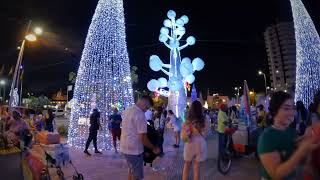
pixel 3 85
pixel 265 81
pixel 17 71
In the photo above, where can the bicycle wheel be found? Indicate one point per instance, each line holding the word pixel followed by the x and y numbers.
pixel 224 162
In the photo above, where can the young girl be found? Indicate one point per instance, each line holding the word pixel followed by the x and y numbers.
pixel 193 133
pixel 278 150
pixel 176 123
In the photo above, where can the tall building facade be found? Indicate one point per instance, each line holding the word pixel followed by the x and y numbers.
pixel 281 51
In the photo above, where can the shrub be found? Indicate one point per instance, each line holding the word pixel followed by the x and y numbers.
pixel 63 130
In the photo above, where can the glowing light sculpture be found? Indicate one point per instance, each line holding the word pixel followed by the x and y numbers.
pixel 307 54
pixel 103 79
pixel 180 72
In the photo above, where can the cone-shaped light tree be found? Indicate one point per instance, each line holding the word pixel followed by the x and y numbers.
pixel 103 79
pixel 308 54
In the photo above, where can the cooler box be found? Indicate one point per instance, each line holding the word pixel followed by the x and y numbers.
pixel 46 137
pixel 240 137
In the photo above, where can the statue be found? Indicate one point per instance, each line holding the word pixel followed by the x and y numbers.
pixel 15 96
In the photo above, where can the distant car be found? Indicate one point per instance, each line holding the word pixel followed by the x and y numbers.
pixel 58 112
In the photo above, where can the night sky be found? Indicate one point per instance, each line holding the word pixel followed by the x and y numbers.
pixel 229 37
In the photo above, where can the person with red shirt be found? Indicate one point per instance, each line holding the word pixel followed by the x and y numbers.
pixel 115 120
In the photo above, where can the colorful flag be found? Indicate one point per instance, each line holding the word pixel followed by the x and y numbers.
pixel 246 99
pixel 21 76
pixel 70 88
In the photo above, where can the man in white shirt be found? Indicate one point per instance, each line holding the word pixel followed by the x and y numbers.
pixel 133 137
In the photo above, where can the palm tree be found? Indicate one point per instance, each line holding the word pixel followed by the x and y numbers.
pixel 134 75
pixel 72 77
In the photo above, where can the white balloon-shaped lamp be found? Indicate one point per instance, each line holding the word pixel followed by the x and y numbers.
pixel 171 14
pixel 167 23
pixel 186 68
pixel 186 60
pixel 191 40
pixel 197 64
pixel 185 19
pixel 164 30
pixel 163 38
pixel 190 78
pixel 155 63
pixel 163 82
pixel 153 85
pixel 180 22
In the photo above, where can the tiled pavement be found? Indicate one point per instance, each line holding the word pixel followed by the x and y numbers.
pixel 113 166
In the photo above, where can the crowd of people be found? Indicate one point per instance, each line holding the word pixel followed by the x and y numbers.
pixel 131 129
pixel 18 125
pixel 285 145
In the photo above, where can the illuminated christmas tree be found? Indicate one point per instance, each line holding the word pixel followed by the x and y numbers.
pixel 103 79
pixel 308 54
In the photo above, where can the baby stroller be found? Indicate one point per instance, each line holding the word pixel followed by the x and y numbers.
pixel 148 155
pixel 53 163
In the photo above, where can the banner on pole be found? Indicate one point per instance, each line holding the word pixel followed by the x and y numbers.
pixel 70 88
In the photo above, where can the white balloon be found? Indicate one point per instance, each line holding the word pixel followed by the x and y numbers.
pixel 171 14
pixel 186 67
pixel 180 22
pixel 164 30
pixel 190 78
pixel 186 60
pixel 155 63
pixel 153 85
pixel 163 82
pixel 185 19
pixel 163 38
pixel 191 40
pixel 167 23
pixel 197 64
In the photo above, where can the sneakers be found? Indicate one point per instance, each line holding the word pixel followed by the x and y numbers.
pixel 97 152
pixel 87 152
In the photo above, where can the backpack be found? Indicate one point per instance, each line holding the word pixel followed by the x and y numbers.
pixel 152 134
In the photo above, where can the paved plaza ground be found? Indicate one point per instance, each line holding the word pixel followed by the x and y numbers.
pixel 113 166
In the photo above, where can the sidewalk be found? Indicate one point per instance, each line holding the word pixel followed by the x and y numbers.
pixel 113 166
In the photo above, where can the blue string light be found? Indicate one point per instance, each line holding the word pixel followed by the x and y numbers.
pixel 308 54
pixel 103 79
